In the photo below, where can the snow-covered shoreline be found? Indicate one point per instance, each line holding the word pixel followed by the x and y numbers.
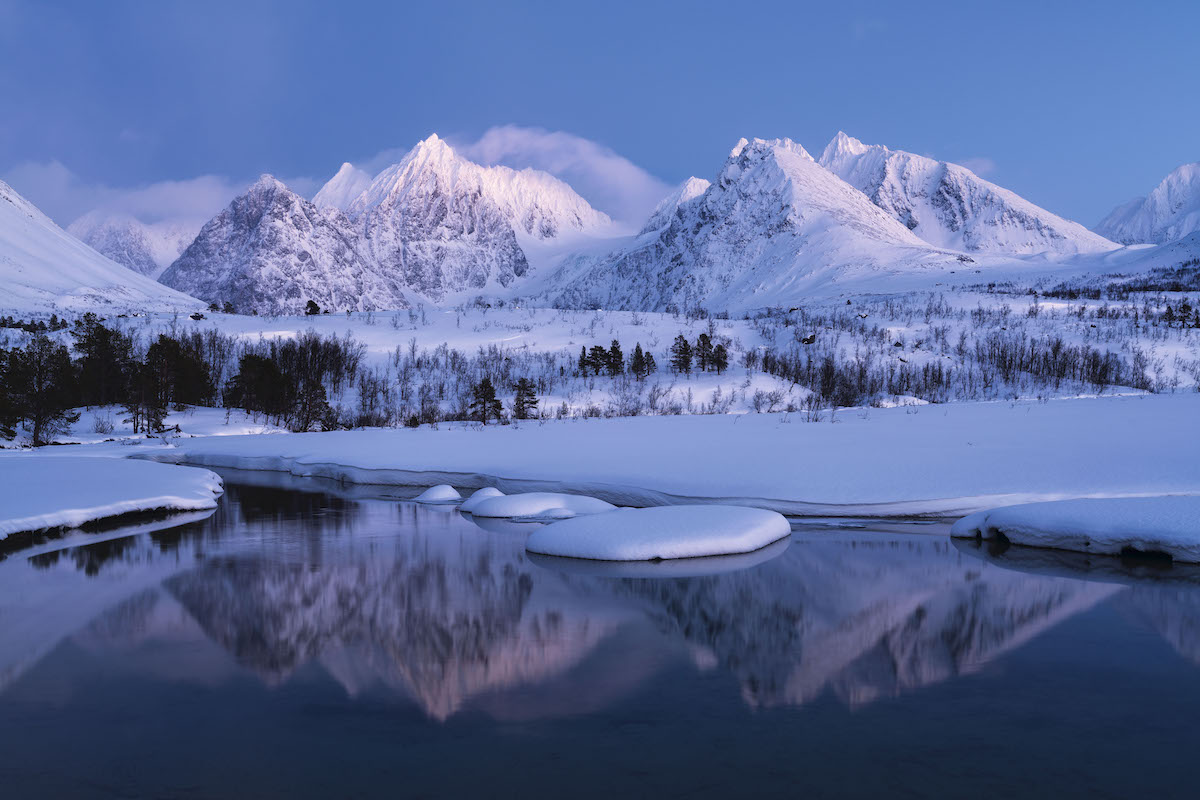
pixel 938 461
pixel 40 493
pixel 1168 525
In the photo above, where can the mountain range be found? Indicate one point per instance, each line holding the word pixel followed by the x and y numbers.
pixel 773 227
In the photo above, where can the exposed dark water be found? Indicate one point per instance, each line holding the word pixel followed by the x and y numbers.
pixel 301 644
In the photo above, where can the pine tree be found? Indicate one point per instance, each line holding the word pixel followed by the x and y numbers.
pixel 105 361
pixel 311 309
pixel 583 362
pixel 8 407
pixel 598 359
pixel 1169 316
pixel 681 355
pixel 637 364
pixel 485 404
pixel 704 352
pixel 720 358
pixel 43 387
pixel 526 402
pixel 651 366
pixel 616 359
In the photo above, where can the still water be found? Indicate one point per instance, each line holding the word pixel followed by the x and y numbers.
pixel 302 642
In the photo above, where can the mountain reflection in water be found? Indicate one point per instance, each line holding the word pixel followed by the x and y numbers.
pixel 395 602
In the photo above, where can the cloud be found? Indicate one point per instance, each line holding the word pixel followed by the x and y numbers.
pixel 64 196
pixel 981 166
pixel 607 180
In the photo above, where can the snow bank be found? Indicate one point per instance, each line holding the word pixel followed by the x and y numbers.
pixel 1111 526
pixel 40 492
pixel 540 506
pixel 486 493
pixel 647 534
pixel 442 493
pixel 938 460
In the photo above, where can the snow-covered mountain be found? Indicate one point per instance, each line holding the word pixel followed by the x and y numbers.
pixel 949 206
pixel 272 251
pixel 144 248
pixel 1168 213
pixel 685 192
pixel 44 268
pixel 446 225
pixel 343 188
pixel 770 229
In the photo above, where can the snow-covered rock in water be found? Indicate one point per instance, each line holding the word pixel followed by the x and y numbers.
pixel 44 492
pixel 772 227
pixel 1168 213
pixel 442 493
pixel 1167 524
pixel 147 249
pixel 446 225
pixel 486 493
pixel 43 268
pixel 950 206
pixel 343 188
pixel 272 251
pixel 686 192
pixel 646 534
pixel 540 506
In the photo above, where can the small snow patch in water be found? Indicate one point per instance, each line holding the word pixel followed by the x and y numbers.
pixel 486 493
pixel 537 506
pixel 442 493
pixel 665 532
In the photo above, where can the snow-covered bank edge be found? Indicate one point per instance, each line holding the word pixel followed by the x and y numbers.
pixel 617 494
pixel 1167 525
pixel 95 491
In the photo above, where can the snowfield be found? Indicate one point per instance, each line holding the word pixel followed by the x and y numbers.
pixel 1111 526
pixel 936 460
pixel 649 534
pixel 40 493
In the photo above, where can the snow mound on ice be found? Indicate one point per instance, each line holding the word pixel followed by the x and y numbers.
pixel 486 493
pixel 1167 524
pixel 646 534
pixel 541 505
pixel 42 492
pixel 442 493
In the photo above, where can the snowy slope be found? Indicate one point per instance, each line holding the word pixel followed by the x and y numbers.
pixel 773 227
pixel 343 188
pixel 1168 213
pixel 446 225
pixel 272 251
pixel 43 268
pixel 949 206
pixel 144 248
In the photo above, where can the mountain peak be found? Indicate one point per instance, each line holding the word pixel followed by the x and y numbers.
pixel 684 193
pixel 1169 213
pixel 266 183
pixel 841 146
pixel 343 188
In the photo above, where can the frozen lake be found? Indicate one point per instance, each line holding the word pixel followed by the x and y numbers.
pixel 330 643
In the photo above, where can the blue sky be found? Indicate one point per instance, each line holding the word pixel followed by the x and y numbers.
pixel 163 107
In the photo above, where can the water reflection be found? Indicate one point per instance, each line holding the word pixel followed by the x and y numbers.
pixel 427 604
pixel 302 596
